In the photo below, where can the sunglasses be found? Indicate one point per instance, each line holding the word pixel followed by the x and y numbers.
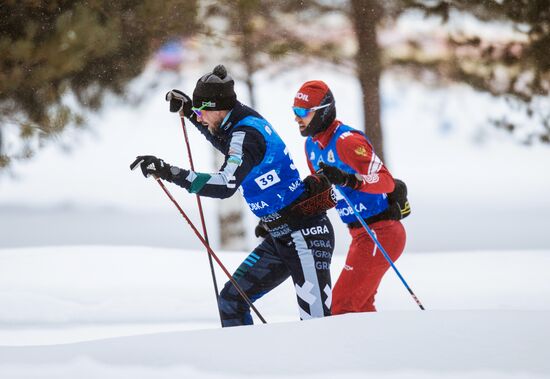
pixel 198 111
pixel 303 112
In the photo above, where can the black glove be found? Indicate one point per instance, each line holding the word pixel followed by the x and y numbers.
pixel 398 202
pixel 319 196
pixel 339 177
pixel 180 102
pixel 151 165
pixel 316 183
pixel 260 231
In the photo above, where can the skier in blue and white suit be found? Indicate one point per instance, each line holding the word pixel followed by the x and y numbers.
pixel 298 243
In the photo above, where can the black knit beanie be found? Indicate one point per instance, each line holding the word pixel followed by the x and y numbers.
pixel 215 91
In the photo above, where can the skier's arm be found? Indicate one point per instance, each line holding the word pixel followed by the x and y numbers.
pixel 246 150
pixel 355 151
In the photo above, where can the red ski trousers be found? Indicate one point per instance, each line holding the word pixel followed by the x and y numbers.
pixel 365 266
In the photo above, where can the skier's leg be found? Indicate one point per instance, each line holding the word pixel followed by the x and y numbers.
pixel 308 253
pixel 258 274
pixel 365 266
pixel 348 288
pixel 390 234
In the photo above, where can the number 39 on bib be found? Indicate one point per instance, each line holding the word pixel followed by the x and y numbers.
pixel 268 179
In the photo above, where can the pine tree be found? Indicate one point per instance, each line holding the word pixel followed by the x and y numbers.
pixel 49 50
pixel 517 69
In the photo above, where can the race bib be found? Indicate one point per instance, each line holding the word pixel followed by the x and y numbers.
pixel 268 179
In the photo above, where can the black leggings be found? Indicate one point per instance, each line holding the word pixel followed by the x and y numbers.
pixel 304 255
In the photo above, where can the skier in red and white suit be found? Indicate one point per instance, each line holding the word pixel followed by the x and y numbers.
pixel 347 158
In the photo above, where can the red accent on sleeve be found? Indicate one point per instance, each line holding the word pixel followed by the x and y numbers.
pixel 355 151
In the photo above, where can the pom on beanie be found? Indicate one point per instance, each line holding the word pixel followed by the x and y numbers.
pixel 215 90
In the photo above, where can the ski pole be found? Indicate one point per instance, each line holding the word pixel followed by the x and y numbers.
pixel 371 234
pixel 210 251
pixel 201 214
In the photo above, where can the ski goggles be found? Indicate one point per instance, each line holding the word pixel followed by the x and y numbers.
pixel 303 112
pixel 198 111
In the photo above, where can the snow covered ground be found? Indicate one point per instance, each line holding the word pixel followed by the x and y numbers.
pixel 119 312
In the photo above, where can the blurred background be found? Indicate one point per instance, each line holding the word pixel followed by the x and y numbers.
pixel 453 95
